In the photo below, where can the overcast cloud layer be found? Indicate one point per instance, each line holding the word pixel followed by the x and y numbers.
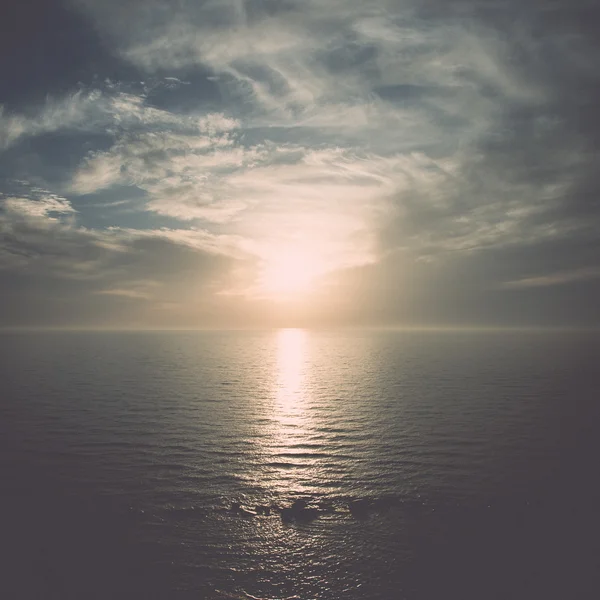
pixel 439 159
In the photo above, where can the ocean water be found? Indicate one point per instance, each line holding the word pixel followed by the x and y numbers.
pixel 431 465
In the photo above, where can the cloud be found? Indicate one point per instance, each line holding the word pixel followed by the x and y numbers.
pixel 81 110
pixel 96 110
pixel 262 191
pixel 172 164
pixel 404 140
pixel 55 271
pixel 40 207
pixel 136 290
pixel 43 234
pixel 561 278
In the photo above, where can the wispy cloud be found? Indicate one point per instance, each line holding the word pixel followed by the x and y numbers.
pixel 40 207
pixel 136 290
pixel 75 111
pixel 561 278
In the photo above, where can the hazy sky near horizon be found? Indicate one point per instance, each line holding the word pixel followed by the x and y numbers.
pixel 260 162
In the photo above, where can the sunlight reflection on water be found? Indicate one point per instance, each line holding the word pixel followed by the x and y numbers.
pixel 291 366
pixel 288 460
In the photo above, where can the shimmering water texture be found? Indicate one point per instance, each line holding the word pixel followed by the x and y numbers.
pixel 296 464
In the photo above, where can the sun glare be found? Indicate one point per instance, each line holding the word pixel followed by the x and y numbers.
pixel 290 274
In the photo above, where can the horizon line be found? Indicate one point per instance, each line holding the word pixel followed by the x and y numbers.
pixel 399 328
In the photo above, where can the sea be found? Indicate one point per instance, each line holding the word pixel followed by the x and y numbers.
pixel 300 464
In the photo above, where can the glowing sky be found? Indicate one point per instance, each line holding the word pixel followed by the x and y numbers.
pixel 255 163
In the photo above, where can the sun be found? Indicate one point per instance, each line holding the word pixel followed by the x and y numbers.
pixel 290 274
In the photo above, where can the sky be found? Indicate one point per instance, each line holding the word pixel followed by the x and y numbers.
pixel 262 163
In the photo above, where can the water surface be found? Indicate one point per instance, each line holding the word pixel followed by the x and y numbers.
pixel 433 465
